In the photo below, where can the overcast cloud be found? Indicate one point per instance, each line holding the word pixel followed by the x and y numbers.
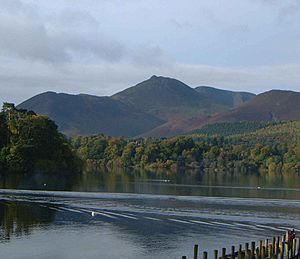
pixel 101 47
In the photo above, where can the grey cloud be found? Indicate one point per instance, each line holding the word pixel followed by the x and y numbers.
pixel 27 37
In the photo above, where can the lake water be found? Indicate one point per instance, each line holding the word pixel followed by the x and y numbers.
pixel 142 214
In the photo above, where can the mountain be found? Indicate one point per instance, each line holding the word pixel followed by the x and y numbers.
pixel 88 115
pixel 159 106
pixel 170 99
pixel 224 97
pixel 274 105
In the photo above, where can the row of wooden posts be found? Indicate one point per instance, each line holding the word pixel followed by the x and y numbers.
pixel 275 248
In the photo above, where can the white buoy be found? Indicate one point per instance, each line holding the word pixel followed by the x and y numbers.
pixel 93 213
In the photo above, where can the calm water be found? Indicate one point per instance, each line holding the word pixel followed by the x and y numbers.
pixel 142 215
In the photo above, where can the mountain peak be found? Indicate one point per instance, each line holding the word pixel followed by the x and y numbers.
pixel 153 77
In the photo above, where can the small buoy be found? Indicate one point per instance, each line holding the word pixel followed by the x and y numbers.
pixel 93 213
pixel 258 187
pixel 45 184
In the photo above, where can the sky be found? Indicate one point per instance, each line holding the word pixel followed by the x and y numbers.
pixel 100 47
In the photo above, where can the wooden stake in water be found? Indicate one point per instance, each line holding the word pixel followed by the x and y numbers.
pixel 252 249
pixel 232 252
pixel 204 255
pixel 257 253
pixel 196 252
pixel 215 254
pixel 223 253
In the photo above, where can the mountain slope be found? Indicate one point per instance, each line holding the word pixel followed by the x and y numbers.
pixel 274 105
pixel 225 97
pixel 162 97
pixel 87 115
pixel 171 99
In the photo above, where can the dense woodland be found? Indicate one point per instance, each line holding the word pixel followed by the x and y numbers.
pixel 32 143
pixel 274 147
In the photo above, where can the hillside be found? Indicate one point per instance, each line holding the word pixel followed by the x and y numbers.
pixel 88 115
pixel 233 128
pixel 224 97
pixel 275 105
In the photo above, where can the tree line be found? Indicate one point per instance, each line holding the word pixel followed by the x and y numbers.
pixel 274 148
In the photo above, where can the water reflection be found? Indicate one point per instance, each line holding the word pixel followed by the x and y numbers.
pixel 185 183
pixel 18 218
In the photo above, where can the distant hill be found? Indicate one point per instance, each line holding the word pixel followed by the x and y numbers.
pixel 271 106
pixel 159 106
pixel 87 115
pixel 275 105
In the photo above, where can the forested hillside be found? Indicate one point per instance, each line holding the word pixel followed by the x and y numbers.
pixel 274 147
pixel 31 143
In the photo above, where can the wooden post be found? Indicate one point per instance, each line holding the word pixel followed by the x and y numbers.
pixel 282 250
pixel 223 253
pixel 257 253
pixel 283 246
pixel 294 247
pixel 246 247
pixel 252 249
pixel 267 247
pixel 184 257
pixel 273 245
pixel 232 252
pixel 215 254
pixel 287 244
pixel 240 252
pixel 204 255
pixel 196 252
pixel 298 250
pixel 277 245
pixel 270 250
pixel 263 252
pixel 260 247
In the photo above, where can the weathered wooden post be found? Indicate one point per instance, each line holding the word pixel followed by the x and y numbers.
pixel 240 252
pixel 270 250
pixel 257 253
pixel 215 254
pixel 282 250
pixel 232 252
pixel 196 251
pixel 260 247
pixel 184 257
pixel 294 244
pixel 267 247
pixel 252 249
pixel 263 252
pixel 277 246
pixel 223 253
pixel 273 245
pixel 298 250
pixel 287 244
pixel 204 255
pixel 246 248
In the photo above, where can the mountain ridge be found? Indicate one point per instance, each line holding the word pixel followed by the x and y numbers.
pixel 162 107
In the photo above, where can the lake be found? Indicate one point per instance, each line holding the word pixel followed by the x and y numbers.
pixel 138 214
